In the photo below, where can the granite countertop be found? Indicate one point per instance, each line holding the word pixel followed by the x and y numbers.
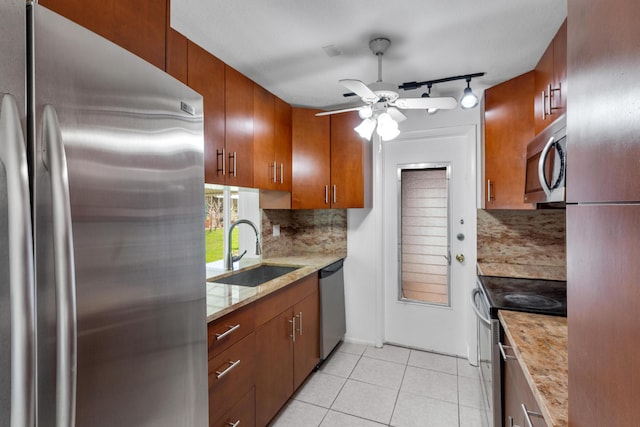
pixel 540 344
pixel 223 299
pixel 524 271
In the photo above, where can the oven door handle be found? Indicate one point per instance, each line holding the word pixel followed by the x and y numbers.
pixel 484 320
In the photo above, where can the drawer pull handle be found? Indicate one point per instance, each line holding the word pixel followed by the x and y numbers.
pixel 528 414
pixel 227 332
pixel 232 365
pixel 505 356
pixel 236 424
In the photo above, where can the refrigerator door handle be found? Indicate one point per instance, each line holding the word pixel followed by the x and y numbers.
pixel 22 289
pixel 66 313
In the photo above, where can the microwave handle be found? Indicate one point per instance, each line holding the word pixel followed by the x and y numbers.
pixel 541 162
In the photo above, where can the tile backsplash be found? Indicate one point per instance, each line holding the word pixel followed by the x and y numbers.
pixel 304 232
pixel 522 243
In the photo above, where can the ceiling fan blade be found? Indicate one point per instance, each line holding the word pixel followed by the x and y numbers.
pixel 396 114
pixel 344 110
pixel 442 103
pixel 360 89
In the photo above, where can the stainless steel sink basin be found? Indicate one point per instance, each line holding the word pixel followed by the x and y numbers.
pixel 255 276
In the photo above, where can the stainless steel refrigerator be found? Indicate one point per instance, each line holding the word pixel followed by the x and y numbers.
pixel 102 297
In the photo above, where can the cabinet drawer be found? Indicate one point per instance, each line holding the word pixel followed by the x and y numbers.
pixel 242 414
pixel 231 376
pixel 230 329
pixel 269 307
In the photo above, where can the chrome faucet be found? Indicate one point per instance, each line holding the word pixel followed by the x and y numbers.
pixel 230 259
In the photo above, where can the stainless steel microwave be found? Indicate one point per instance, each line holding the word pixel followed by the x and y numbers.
pixel 547 164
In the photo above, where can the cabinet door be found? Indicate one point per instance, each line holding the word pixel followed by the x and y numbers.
pixel 176 55
pixel 559 97
pixel 517 392
pixel 311 159
pixel 138 26
pixel 274 373
pixel 543 78
pixel 348 159
pixel 264 158
pixel 283 144
pixel 603 127
pixel 603 296
pixel 206 76
pixel 306 348
pixel 508 128
pixel 238 128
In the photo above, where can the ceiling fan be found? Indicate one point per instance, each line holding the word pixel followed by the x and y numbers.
pixel 382 100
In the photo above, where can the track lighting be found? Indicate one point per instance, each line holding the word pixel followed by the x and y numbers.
pixel 469 99
pixel 430 111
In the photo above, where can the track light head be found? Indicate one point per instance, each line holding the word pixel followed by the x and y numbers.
pixel 468 99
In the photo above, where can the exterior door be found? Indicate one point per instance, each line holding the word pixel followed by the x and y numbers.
pixel 429 239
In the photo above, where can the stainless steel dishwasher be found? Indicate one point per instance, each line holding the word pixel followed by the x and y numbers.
pixel 333 324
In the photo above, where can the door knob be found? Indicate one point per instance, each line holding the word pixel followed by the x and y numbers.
pixel 460 258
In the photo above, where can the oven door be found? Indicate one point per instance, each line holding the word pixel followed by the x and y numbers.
pixel 489 358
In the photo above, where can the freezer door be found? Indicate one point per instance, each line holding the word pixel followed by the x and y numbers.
pixel 17 303
pixel 119 146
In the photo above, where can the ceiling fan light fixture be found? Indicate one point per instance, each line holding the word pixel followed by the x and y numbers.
pixel 469 99
pixel 365 112
pixel 387 127
pixel 365 129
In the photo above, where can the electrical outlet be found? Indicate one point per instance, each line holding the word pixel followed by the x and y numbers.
pixel 276 230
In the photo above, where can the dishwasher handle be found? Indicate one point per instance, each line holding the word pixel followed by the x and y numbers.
pixel 480 316
pixel 331 269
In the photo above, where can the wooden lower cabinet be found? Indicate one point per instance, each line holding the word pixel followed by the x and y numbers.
pixel 287 344
pixel 516 393
pixel 242 414
pixel 231 377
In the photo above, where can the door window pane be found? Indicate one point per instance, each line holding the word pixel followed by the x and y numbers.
pixel 424 235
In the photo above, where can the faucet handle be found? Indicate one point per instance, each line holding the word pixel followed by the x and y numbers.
pixel 239 257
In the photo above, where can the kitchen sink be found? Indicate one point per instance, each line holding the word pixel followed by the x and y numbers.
pixel 255 276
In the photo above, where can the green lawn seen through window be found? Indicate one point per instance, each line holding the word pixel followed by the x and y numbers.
pixel 214 243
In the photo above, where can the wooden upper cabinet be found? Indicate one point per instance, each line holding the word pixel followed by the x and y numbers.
pixel 271 141
pixel 559 99
pixel 551 81
pixel 264 136
pixel 350 161
pixel 331 163
pixel 238 99
pixel 311 159
pixel 138 26
pixel 177 56
pixel 508 129
pixel 206 75
pixel 283 144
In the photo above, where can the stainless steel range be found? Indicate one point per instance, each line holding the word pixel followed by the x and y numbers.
pixel 506 293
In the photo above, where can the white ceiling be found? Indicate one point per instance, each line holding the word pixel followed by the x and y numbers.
pixel 279 43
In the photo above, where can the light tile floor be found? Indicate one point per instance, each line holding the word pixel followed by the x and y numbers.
pixel 360 386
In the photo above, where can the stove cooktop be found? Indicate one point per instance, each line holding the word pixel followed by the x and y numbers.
pixel 528 295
